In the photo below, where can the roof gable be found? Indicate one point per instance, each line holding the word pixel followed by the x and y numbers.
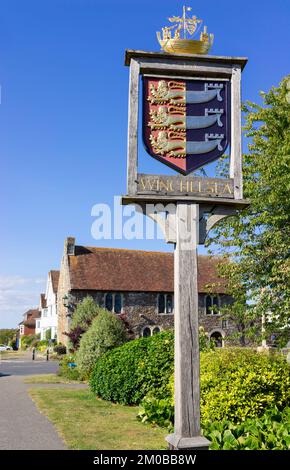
pixel 54 280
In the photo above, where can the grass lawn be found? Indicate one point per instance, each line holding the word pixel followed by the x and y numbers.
pixel 12 354
pixel 88 423
pixel 49 379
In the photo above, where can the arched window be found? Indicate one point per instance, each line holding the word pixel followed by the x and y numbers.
pixel 165 304
pixel 109 302
pixel 217 337
pixel 155 330
pixel 146 332
pixel 114 302
pixel 150 330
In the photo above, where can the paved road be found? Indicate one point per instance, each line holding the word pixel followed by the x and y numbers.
pixel 21 367
pixel 22 425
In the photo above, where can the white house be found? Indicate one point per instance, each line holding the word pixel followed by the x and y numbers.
pixel 48 306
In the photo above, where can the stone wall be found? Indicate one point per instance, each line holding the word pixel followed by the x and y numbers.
pixel 140 310
pixel 63 290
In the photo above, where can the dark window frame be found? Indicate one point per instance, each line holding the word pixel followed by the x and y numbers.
pixel 215 300
pixel 168 299
pixel 113 296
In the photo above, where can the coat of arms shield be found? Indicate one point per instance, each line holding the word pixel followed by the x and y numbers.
pixel 186 123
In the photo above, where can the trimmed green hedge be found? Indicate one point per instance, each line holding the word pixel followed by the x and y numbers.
pixel 126 374
pixel 236 384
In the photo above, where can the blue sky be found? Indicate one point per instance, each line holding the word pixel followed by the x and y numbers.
pixel 63 116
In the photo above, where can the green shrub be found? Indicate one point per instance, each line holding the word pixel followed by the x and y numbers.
pixel 128 373
pixel 84 313
pixel 41 345
pixel 13 344
pixel 106 332
pixel 65 370
pixel 236 384
pixel 60 349
pixel 157 411
pixel 29 341
pixel 205 344
pixel 83 316
pixel 48 334
pixel 239 383
pixel 269 432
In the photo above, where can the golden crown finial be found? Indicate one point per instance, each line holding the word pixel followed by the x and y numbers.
pixel 174 38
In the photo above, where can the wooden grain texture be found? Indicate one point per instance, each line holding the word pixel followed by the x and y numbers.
pixel 132 150
pixel 214 215
pixel 143 199
pixel 236 134
pixel 184 186
pixel 185 67
pixel 198 58
pixel 187 394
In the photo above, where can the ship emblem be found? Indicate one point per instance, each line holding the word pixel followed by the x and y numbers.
pixel 186 123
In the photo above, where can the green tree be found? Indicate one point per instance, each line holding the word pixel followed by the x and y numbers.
pixel 106 332
pixel 258 237
pixel 7 335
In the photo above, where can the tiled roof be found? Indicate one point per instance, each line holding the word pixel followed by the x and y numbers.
pixel 108 269
pixel 54 279
pixel 30 316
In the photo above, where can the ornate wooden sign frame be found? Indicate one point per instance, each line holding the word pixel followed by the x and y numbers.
pixel 191 198
pixel 198 66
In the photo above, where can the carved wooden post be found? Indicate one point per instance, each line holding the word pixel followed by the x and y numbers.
pixel 187 433
pixel 198 203
pixel 132 150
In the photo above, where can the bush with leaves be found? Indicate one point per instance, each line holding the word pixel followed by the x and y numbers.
pixel 41 345
pixel 235 383
pixel 67 368
pixel 60 349
pixel 29 341
pixel 238 383
pixel 269 432
pixel 106 332
pixel 48 334
pixel 82 318
pixel 128 373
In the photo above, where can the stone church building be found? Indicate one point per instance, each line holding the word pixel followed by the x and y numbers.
pixel 137 285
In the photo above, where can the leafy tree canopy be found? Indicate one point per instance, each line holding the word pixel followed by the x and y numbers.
pixel 258 238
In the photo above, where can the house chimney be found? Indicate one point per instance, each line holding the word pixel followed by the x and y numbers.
pixel 69 246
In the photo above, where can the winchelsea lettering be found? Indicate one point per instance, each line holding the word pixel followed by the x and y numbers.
pixel 177 185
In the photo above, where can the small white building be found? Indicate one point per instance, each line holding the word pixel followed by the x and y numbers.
pixel 48 307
